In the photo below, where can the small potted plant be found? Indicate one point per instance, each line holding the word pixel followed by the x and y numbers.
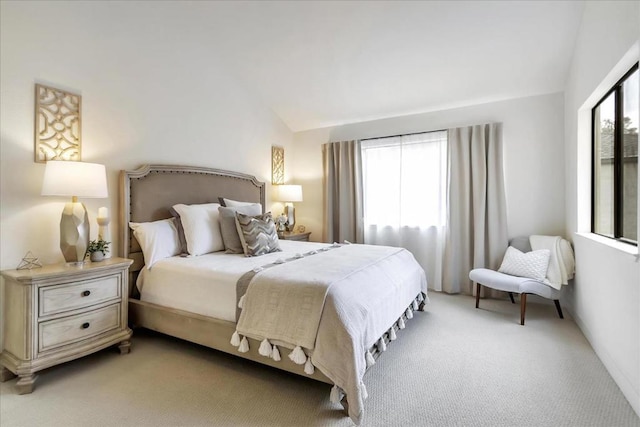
pixel 97 249
pixel 281 224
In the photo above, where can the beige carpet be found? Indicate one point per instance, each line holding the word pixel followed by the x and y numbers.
pixel 452 365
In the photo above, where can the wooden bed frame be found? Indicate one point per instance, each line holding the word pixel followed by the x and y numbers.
pixel 146 194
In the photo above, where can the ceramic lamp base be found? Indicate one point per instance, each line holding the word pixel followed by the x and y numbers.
pixel 290 212
pixel 74 232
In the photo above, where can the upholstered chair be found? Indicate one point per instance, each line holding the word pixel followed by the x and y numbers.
pixel 514 284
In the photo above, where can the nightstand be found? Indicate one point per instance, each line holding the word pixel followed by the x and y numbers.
pixel 292 235
pixel 59 313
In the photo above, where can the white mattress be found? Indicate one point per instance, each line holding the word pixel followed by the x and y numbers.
pixel 206 284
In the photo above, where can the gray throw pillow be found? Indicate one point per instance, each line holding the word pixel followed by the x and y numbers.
pixel 257 234
pixel 228 229
pixel 181 238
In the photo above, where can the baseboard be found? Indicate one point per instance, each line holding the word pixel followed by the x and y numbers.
pixel 628 390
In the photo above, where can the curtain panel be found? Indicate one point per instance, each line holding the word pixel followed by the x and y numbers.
pixel 476 232
pixel 343 201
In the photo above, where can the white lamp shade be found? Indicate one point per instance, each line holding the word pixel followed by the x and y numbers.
pixel 288 193
pixel 67 178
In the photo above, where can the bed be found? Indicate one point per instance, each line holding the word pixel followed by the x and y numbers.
pixel 336 353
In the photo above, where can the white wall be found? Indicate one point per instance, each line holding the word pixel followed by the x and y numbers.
pixel 150 94
pixel 533 153
pixel 605 297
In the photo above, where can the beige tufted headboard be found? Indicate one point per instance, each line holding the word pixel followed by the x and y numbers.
pixel 147 193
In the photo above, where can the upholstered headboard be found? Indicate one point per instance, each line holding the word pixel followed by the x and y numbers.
pixel 147 193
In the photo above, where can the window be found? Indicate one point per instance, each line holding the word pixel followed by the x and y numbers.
pixel 403 180
pixel 614 202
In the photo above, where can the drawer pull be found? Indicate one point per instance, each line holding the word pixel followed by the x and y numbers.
pixel 85 325
pixel 86 293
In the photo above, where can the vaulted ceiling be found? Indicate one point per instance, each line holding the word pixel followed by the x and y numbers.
pixel 317 64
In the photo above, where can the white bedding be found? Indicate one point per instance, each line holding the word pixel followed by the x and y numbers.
pixel 332 307
pixel 206 284
pixel 349 325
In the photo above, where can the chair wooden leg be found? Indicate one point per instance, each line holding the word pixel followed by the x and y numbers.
pixel 523 307
pixel 558 308
pixel 477 294
pixel 511 297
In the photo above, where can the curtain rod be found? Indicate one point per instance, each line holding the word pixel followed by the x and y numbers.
pixel 403 134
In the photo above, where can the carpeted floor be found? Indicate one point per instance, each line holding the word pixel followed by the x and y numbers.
pixel 452 365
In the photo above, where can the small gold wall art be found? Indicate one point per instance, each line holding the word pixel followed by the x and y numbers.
pixel 58 123
pixel 277 165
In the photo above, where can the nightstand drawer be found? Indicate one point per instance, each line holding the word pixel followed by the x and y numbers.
pixel 289 235
pixel 56 299
pixel 55 333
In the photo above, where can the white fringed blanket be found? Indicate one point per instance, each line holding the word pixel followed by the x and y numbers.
pixel 331 307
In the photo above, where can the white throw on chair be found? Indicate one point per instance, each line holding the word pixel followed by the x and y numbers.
pixel 537 265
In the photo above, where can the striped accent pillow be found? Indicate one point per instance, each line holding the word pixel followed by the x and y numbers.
pixel 257 234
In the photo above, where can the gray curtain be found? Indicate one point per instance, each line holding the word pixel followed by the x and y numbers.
pixel 343 213
pixel 476 205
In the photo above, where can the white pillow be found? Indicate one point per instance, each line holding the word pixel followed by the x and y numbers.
pixel 201 227
pixel 236 204
pixel 158 240
pixel 532 264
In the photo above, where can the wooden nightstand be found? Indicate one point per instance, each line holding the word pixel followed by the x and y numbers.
pixel 292 235
pixel 59 313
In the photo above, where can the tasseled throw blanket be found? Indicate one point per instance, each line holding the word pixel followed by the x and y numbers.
pixel 330 308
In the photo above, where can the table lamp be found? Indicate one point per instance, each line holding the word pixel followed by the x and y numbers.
pixel 289 194
pixel 74 179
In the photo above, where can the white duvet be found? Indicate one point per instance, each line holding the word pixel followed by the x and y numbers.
pixel 206 284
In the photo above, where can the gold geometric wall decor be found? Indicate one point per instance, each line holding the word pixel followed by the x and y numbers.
pixel 277 165
pixel 58 127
